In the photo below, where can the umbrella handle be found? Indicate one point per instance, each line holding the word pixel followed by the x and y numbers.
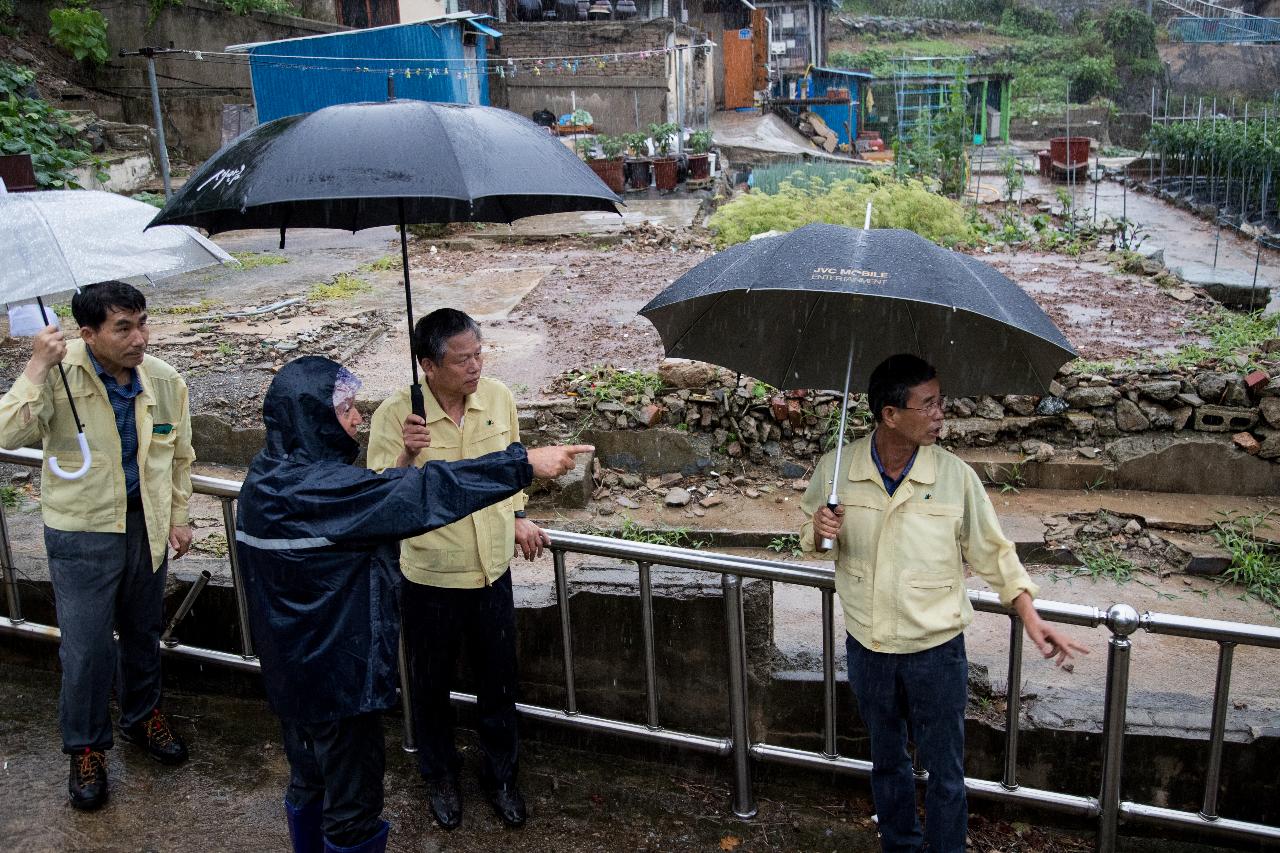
pixel 825 544
pixel 416 401
pixel 84 466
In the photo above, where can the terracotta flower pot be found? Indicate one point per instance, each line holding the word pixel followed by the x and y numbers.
pixel 664 173
pixel 610 171
pixel 699 167
pixel 639 174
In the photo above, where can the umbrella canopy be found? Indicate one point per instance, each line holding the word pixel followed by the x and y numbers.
pixel 355 166
pixel 792 310
pixel 61 240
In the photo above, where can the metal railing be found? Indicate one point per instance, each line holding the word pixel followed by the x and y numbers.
pixel 1225 30
pixel 1108 808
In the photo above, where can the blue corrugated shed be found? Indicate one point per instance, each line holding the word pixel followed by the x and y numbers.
pixel 842 119
pixel 438 60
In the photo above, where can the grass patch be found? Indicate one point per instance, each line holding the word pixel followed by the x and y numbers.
pixel 1104 562
pixel 386 263
pixel 604 383
pixel 1255 565
pixel 205 306
pixel 789 545
pixel 253 260
pixel 10 497
pixel 633 531
pixel 343 286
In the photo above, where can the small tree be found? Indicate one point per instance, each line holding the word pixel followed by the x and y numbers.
pixel 700 141
pixel 638 143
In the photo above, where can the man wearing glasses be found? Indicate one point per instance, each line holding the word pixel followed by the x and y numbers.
pixel 910 515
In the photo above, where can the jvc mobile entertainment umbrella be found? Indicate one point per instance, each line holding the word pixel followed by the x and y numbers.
pixel 826 302
pixel 354 166
pixel 62 240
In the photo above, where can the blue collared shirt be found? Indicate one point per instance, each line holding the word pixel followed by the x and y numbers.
pixel 122 397
pixel 890 484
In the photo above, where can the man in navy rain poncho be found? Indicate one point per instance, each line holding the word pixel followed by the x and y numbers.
pixel 318 540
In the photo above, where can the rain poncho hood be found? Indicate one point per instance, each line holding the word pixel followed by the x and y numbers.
pixel 318 540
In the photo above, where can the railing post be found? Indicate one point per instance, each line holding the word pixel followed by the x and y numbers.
pixel 406 699
pixel 650 661
pixel 1013 705
pixel 744 801
pixel 10 575
pixel 566 632
pixel 1123 620
pixel 828 675
pixel 237 580
pixel 1218 731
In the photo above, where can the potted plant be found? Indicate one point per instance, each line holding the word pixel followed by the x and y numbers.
pixel 664 165
pixel 638 167
pixel 609 167
pixel 699 160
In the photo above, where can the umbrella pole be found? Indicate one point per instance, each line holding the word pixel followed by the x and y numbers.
pixel 415 390
pixel 44 314
pixel 833 499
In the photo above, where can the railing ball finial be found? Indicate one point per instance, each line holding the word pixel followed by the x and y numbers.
pixel 1123 620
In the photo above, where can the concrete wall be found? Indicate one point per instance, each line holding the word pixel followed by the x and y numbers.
pixel 1251 71
pixel 615 94
pixel 192 93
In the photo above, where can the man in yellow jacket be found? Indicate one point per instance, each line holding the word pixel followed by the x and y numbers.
pixel 107 532
pixel 910 515
pixel 458 585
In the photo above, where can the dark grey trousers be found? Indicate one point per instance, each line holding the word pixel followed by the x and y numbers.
pixel 104 582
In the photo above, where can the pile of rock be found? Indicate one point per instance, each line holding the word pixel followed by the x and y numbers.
pixel 1085 411
pixel 620 491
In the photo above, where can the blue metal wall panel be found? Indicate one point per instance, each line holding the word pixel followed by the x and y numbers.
pixel 431 54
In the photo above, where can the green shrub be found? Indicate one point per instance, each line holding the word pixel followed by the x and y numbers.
pixel 272 7
pixel 80 32
pixel 843 201
pixel 1019 19
pixel 31 126
pixel 1091 77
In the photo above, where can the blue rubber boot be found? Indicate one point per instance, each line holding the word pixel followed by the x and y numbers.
pixel 304 827
pixel 376 844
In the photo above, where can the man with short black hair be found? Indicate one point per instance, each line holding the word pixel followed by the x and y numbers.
pixel 106 533
pixel 910 515
pixel 458 592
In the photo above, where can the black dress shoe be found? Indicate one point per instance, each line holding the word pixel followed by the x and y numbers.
pixel 87 783
pixel 508 805
pixel 446 802
pixel 154 735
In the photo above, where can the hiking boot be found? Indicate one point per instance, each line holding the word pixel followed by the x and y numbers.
pixel 87 782
pixel 154 735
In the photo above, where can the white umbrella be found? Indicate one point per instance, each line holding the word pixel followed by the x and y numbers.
pixel 62 240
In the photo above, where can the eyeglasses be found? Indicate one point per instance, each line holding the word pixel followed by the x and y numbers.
pixel 934 408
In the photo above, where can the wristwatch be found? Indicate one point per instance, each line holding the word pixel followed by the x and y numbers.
pixel 521 514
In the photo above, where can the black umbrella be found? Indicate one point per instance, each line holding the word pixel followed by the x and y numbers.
pixel 355 166
pixel 827 302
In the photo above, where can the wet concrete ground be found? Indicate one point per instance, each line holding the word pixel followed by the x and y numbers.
pixel 228 796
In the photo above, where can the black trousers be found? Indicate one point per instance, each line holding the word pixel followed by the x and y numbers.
pixel 339 763
pixel 438 624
